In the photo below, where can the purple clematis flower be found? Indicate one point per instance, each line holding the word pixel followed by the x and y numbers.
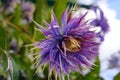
pixel 100 21
pixel 73 46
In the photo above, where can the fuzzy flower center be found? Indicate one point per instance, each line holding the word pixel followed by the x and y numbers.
pixel 72 44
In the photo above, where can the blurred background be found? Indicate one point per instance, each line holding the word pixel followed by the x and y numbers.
pixel 17 32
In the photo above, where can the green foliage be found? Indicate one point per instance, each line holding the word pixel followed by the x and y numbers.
pixel 59 7
pixel 92 75
pixel 42 11
pixel 2 37
pixel 12 69
pixel 117 77
pixel 17 15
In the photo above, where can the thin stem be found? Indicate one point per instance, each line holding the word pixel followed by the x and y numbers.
pixel 19 29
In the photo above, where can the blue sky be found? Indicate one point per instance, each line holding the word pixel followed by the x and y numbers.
pixel 115 4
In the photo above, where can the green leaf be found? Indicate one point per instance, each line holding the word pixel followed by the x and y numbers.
pixel 42 11
pixel 117 77
pixel 3 62
pixel 2 48
pixel 9 66
pixel 17 15
pixel 59 7
pixel 12 69
pixel 94 74
pixel 2 37
pixel 38 35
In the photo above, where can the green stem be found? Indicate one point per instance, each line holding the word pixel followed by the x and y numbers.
pixel 18 28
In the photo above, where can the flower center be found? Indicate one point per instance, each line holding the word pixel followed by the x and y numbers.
pixel 72 44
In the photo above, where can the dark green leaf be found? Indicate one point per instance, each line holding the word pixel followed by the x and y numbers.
pixel 17 15
pixel 38 35
pixel 117 77
pixel 42 11
pixel 2 38
pixel 94 74
pixel 59 7
pixel 13 69
pixel 3 62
